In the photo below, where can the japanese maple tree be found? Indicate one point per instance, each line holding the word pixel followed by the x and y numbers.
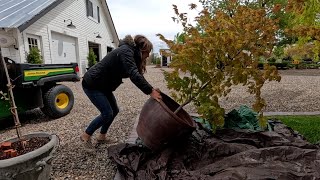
pixel 223 50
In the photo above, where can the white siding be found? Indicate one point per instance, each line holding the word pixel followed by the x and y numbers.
pixel 53 21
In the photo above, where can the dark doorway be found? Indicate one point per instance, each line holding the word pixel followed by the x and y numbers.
pixel 96 49
pixel 164 61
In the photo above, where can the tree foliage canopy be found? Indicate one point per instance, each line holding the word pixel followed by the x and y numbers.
pixel 223 50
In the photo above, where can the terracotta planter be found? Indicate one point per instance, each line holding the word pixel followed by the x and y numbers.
pixel 158 125
pixel 35 165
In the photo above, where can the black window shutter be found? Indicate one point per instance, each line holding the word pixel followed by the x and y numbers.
pixel 98 13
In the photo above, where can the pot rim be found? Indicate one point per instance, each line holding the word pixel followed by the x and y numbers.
pixel 54 141
pixel 190 123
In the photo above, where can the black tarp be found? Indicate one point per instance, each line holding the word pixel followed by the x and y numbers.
pixel 227 154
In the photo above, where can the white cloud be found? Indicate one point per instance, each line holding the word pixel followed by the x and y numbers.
pixel 148 17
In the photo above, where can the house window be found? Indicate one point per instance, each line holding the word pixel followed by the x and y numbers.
pixel 93 10
pixel 33 42
pixel 89 8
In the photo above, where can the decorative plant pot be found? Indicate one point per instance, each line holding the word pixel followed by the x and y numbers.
pixel 158 124
pixel 35 165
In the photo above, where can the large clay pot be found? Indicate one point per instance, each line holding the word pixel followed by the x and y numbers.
pixel 158 124
pixel 35 165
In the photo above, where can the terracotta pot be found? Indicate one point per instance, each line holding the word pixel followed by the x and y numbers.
pixel 158 125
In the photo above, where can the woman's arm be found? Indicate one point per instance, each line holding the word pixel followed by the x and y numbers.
pixel 131 69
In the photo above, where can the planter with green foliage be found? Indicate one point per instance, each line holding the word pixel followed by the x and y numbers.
pixel 34 56
pixel 92 58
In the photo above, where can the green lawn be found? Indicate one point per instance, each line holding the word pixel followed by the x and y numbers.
pixel 308 126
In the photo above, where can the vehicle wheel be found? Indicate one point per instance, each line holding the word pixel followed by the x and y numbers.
pixel 57 101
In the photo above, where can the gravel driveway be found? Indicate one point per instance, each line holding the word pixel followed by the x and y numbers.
pixel 299 90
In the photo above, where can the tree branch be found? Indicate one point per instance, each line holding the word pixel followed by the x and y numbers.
pixel 191 98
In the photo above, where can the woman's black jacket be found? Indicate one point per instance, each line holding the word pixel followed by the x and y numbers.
pixel 107 74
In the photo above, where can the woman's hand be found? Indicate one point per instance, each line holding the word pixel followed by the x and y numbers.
pixel 155 94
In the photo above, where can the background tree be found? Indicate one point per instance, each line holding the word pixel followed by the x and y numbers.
pixel 301 52
pixel 158 61
pixel 305 25
pixel 275 9
pixel 179 38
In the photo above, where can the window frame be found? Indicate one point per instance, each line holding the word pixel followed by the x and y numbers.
pixel 93 11
pixel 33 42
pixel 36 38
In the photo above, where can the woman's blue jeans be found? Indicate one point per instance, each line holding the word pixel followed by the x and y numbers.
pixel 107 105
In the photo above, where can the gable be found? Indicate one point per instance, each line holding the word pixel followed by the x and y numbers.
pixel 110 20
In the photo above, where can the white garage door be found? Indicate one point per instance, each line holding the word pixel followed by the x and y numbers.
pixel 63 49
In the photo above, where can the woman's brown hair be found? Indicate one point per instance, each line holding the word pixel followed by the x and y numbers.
pixel 144 45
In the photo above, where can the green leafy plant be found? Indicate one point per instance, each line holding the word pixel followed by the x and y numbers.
pixel 305 25
pixel 223 50
pixel 92 58
pixel 34 56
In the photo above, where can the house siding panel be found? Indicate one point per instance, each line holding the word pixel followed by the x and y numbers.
pixel 53 21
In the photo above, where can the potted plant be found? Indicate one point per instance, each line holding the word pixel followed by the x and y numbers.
pixel 27 156
pixel 34 56
pixel 92 58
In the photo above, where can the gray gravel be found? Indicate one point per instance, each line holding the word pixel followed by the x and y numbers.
pixel 298 91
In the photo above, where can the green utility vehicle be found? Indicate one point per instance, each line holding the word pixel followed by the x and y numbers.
pixel 37 86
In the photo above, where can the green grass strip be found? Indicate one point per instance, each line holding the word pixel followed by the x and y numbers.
pixel 308 126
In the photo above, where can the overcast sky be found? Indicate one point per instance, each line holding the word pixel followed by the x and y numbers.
pixel 148 17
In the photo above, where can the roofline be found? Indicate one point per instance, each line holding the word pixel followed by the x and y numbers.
pixel 111 19
pixel 25 25
pixel 39 15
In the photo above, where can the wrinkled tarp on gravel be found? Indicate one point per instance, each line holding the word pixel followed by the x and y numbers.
pixel 228 154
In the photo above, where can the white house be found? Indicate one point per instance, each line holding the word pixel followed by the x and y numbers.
pixel 63 30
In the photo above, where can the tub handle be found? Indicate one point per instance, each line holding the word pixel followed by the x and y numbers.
pixel 41 164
